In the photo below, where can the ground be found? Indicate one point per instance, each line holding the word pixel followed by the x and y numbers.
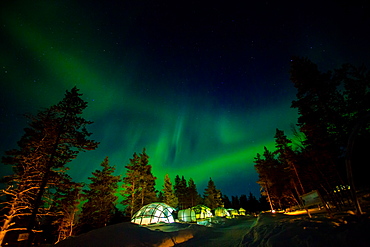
pixel 300 230
pixel 267 229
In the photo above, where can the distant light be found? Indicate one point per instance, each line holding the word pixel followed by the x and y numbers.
pixel 273 211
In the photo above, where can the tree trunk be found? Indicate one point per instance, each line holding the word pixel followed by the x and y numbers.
pixel 4 229
pixel 269 198
pixel 299 180
pixel 351 141
pixel 45 179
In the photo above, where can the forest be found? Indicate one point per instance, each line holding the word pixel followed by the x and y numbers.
pixel 329 148
pixel 325 154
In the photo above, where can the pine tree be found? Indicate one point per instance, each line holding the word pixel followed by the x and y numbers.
pixel 288 160
pixel 331 106
pixel 99 208
pixel 212 196
pixel 252 203
pixel 66 205
pixel 263 203
pixel 131 186
pixel 138 184
pixel 321 108
pixel 54 137
pixel 272 178
pixel 148 192
pixel 168 194
pixel 235 202
pixel 319 104
pixel 160 196
pixel 243 200
pixel 192 194
pixel 226 201
pixel 181 191
pixel 263 178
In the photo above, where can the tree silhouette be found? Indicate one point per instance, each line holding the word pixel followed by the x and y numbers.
pixel 66 206
pixel 192 194
pixel 330 106
pixel 54 137
pixel 169 196
pixel 274 180
pixel 138 184
pixel 181 188
pixel 212 196
pixel 99 208
pixel 288 160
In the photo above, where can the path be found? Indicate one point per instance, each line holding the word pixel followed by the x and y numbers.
pixel 230 234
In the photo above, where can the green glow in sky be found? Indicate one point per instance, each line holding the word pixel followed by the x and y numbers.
pixel 190 123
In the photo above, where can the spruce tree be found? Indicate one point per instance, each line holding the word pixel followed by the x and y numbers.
pixel 168 194
pixel 148 192
pixel 212 196
pixel 160 196
pixel 181 191
pixel 192 194
pixel 131 185
pixel 99 208
pixel 54 137
pixel 138 184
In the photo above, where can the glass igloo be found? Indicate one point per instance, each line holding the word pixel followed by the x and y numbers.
pixel 221 212
pixel 187 215
pixel 202 212
pixel 154 213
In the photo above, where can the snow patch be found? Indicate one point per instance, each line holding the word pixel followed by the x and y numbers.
pixel 287 230
pixel 269 230
pixel 128 234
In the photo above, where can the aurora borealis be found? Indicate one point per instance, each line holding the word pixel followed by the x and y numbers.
pixel 201 86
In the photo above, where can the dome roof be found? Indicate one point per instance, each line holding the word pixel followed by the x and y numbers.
pixel 153 213
pixel 202 211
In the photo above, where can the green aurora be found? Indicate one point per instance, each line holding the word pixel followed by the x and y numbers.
pixel 195 115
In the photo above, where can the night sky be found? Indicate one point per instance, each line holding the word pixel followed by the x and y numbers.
pixel 201 86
